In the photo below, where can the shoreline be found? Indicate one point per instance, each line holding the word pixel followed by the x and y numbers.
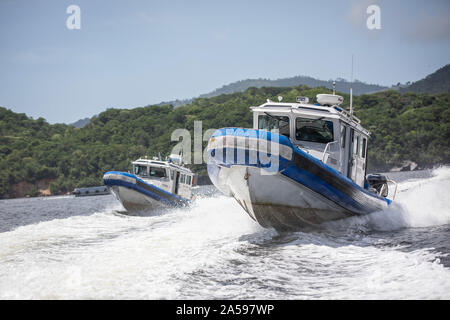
pixel 427 172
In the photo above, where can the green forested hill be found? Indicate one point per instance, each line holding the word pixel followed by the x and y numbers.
pixel 35 155
pixel 437 82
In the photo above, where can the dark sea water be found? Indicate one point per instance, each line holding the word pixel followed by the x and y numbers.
pixel 83 248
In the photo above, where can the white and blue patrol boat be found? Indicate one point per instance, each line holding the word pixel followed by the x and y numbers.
pixel 153 184
pixel 301 165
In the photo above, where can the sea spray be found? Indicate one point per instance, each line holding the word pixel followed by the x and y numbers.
pixel 418 203
pixel 87 249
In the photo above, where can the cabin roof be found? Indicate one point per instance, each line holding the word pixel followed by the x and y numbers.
pixel 332 112
pixel 161 164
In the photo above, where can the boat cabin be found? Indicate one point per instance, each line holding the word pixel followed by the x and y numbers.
pixel 324 130
pixel 168 175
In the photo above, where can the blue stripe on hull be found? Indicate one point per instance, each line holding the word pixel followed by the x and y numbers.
pixel 369 202
pixel 132 186
pixel 150 190
pixel 312 182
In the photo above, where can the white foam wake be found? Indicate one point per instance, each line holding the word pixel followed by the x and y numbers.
pixel 419 203
pixel 107 255
pixel 214 250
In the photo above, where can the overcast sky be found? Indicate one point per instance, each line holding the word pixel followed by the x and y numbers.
pixel 134 53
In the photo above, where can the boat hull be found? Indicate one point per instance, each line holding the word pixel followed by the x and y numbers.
pixel 136 194
pixel 292 191
pixel 133 200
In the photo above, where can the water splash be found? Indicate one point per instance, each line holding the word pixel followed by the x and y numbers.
pixel 419 203
pixel 214 250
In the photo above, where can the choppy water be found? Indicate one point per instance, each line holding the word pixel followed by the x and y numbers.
pixel 81 248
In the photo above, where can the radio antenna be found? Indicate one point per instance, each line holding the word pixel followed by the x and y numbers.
pixel 351 90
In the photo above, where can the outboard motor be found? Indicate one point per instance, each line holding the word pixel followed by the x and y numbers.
pixel 378 184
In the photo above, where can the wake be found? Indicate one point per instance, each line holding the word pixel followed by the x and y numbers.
pixel 419 203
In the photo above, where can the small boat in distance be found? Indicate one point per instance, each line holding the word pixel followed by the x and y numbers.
pixel 90 191
pixel 153 184
pixel 312 171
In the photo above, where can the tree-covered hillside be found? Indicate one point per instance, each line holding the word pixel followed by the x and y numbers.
pixel 437 82
pixel 80 123
pixel 35 155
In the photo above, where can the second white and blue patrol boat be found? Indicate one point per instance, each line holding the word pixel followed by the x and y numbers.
pixel 153 184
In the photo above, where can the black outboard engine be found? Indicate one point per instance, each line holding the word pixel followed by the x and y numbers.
pixel 378 184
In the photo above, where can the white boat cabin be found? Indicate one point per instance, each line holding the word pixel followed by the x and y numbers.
pixel 323 130
pixel 168 175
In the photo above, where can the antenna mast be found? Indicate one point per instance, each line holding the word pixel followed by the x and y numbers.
pixel 351 90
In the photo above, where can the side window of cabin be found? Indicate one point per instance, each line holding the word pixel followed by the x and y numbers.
pixel 314 130
pixel 157 172
pixel 269 122
pixel 363 148
pixel 140 170
pixel 356 146
pixel 343 136
pixel 188 180
pixel 172 174
pixel 182 179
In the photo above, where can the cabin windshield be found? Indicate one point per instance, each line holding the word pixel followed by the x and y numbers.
pixel 314 130
pixel 157 172
pixel 140 170
pixel 269 122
